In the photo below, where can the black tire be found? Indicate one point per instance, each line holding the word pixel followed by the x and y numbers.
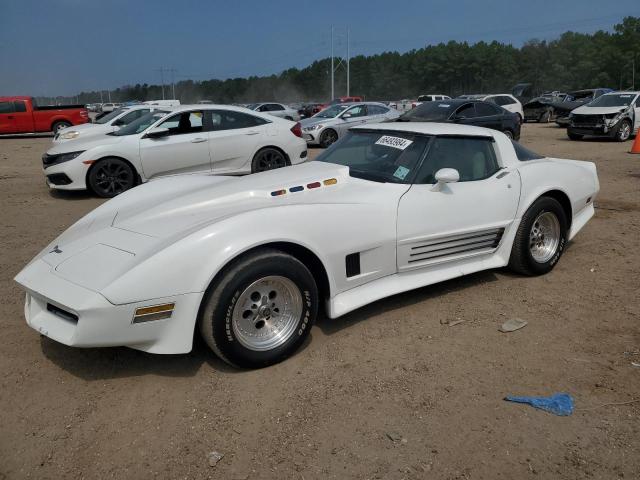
pixel 59 126
pixel 110 177
pixel 508 133
pixel 268 159
pixel 545 117
pixel 574 136
pixel 623 131
pixel 328 137
pixel 521 259
pixel 216 320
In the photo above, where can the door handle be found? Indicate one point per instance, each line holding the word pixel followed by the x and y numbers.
pixel 252 132
pixel 198 140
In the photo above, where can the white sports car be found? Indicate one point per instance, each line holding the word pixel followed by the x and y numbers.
pixel 248 261
pixel 189 139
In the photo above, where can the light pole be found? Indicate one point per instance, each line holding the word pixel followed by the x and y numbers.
pixel 332 70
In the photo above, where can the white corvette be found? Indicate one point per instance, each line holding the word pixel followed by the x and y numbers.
pixel 189 139
pixel 248 261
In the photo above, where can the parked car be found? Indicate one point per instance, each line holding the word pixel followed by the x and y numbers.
pixel 504 100
pixel 110 122
pixel 248 262
pixel 468 112
pixel 276 109
pixel 109 107
pixel 309 109
pixel 218 139
pixel 615 115
pixel 92 107
pixel 540 109
pixel 328 125
pixel 429 98
pixel 163 103
pixel 573 100
pixel 21 114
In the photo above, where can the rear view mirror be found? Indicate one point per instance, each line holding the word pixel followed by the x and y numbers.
pixel 446 175
pixel 157 133
pixel 346 116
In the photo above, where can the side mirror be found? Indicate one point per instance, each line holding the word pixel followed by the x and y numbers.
pixel 458 118
pixel 157 133
pixel 346 116
pixel 445 175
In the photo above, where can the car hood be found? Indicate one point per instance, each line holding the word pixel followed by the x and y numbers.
pixel 86 142
pixel 587 110
pixel 83 127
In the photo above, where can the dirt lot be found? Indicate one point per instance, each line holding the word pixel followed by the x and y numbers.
pixel 389 391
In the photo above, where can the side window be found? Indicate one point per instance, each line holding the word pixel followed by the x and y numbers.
pixel 506 100
pixel 496 100
pixel 359 111
pixel 6 107
pixel 183 123
pixel 486 110
pixel 276 107
pixel 263 108
pixel 473 158
pixel 637 102
pixel 230 120
pixel 19 106
pixel 130 117
pixel 467 111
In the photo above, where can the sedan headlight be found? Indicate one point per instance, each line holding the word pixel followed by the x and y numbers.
pixel 313 127
pixel 70 135
pixel 49 160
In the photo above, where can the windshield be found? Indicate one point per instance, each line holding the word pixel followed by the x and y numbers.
pixel 617 100
pixel 110 116
pixel 141 123
pixel 429 111
pixel 253 106
pixel 332 111
pixel 387 157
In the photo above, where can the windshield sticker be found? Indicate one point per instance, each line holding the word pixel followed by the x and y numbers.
pixel 394 142
pixel 444 105
pixel 401 172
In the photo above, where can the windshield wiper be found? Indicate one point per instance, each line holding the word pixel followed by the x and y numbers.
pixel 373 176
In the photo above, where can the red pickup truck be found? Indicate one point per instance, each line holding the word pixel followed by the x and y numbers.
pixel 22 115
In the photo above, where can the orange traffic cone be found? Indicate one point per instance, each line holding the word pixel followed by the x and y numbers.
pixel 635 148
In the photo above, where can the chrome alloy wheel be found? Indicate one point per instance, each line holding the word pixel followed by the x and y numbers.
pixel 544 237
pixel 625 131
pixel 267 313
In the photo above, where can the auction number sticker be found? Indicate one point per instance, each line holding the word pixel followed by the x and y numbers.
pixel 401 172
pixel 394 142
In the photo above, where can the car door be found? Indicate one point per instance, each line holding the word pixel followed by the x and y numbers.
pixel 277 110
pixel 449 222
pixel 636 109
pixel 23 119
pixel 184 149
pixel 489 116
pixel 234 139
pixel 465 114
pixel 7 117
pixel 356 115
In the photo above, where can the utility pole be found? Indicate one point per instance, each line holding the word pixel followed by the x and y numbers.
pixel 332 71
pixel 161 70
pixel 173 85
pixel 101 101
pixel 109 95
pixel 348 59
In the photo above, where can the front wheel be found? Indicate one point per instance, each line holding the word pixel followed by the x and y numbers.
pixel 261 309
pixel 540 239
pixel 328 137
pixel 110 177
pixel 508 133
pixel 624 131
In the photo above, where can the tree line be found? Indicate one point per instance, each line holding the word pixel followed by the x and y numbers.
pixel 572 61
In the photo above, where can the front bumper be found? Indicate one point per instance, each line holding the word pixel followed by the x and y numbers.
pixel 311 137
pixel 74 170
pixel 563 121
pixel 599 130
pixel 79 317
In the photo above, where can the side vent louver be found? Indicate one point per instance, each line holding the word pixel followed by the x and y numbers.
pixel 352 264
pixel 460 244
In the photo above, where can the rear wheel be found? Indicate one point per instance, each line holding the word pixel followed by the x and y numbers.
pixel 540 239
pixel 261 309
pixel 624 131
pixel 110 177
pixel 508 133
pixel 545 117
pixel 268 159
pixel 328 137
pixel 59 126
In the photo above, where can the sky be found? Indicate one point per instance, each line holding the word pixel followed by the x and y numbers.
pixel 62 47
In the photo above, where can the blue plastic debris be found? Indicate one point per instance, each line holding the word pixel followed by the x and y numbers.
pixel 558 404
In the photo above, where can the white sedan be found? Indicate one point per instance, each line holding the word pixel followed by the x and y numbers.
pixel 111 122
pixel 276 109
pixel 190 139
pixel 249 261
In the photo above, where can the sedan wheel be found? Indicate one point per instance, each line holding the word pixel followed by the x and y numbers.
pixel 328 137
pixel 544 237
pixel 268 159
pixel 509 134
pixel 624 131
pixel 111 177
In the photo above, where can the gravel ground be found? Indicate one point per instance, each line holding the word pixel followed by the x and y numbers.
pixel 389 391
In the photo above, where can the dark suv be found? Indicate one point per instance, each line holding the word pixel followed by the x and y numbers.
pixel 468 112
